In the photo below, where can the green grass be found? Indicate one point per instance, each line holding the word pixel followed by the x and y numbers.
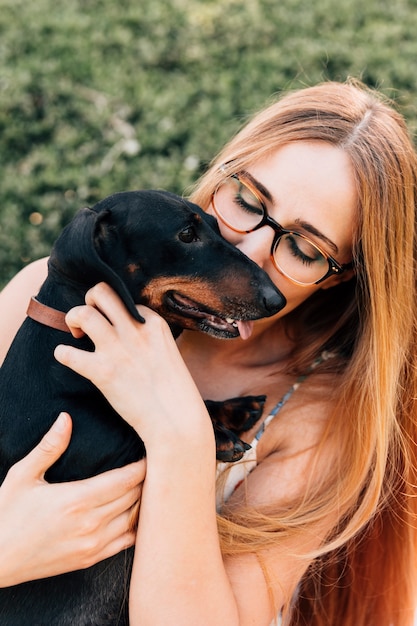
pixel 98 96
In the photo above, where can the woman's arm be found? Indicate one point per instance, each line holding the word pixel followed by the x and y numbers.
pixel 179 574
pixel 14 299
pixel 47 529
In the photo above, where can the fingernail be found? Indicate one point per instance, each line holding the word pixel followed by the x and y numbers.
pixel 60 423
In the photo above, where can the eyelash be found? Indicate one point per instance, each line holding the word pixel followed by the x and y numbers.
pixel 244 205
pixel 295 251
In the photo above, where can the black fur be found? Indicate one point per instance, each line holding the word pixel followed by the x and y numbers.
pixel 152 248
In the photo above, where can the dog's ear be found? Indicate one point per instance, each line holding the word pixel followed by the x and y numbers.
pixel 78 254
pixel 212 221
pixel 208 219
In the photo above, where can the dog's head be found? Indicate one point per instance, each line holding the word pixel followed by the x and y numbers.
pixel 158 249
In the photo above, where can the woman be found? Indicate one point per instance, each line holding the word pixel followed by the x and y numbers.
pixel 318 522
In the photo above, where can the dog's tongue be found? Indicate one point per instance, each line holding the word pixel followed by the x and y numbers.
pixel 245 328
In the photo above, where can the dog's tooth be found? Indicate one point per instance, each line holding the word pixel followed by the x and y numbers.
pixel 229 320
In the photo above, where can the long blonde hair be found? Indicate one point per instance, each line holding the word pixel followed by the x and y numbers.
pixel 365 574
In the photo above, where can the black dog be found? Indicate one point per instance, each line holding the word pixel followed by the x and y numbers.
pixel 153 248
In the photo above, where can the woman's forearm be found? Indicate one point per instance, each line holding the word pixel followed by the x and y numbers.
pixel 179 575
pixel 178 568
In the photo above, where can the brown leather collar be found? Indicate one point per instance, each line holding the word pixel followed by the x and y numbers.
pixel 47 315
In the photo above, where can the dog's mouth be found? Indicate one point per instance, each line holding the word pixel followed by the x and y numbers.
pixel 193 315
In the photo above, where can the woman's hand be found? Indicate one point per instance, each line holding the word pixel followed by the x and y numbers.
pixel 136 366
pixel 48 529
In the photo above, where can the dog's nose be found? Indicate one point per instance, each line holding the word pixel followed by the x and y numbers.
pixel 273 299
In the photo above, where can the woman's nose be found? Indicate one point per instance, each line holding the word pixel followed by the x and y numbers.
pixel 257 246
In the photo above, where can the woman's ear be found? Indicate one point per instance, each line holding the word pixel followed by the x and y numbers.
pixel 337 279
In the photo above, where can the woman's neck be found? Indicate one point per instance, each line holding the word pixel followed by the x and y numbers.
pixel 224 368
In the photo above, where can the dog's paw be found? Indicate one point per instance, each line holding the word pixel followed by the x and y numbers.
pixel 229 448
pixel 237 414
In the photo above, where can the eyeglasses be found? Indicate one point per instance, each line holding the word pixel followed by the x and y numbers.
pixel 239 206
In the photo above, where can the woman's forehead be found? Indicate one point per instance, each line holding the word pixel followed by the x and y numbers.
pixel 311 181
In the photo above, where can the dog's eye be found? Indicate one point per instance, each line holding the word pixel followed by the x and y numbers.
pixel 188 235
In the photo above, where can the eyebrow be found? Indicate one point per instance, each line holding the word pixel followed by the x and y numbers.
pixel 311 229
pixel 305 225
pixel 259 186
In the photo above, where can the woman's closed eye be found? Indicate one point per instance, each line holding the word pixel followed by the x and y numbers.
pixel 302 250
pixel 248 206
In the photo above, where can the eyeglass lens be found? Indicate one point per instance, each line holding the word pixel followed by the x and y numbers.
pixel 295 255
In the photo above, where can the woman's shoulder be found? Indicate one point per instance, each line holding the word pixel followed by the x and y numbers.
pixel 29 278
pixel 306 405
pixel 300 432
pixel 289 443
pixel 14 299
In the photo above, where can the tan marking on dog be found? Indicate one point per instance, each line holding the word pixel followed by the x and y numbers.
pixel 195 289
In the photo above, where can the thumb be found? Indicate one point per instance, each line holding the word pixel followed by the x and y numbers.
pixel 52 445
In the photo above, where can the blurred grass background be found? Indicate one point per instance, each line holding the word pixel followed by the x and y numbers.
pixel 98 96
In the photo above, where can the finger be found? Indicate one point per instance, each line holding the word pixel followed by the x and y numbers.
pixel 103 298
pixel 127 503
pixel 49 449
pixel 120 543
pixel 113 547
pixel 87 319
pixel 76 332
pixel 113 484
pixel 116 535
pixel 80 361
pixel 122 526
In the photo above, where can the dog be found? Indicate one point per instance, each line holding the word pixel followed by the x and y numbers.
pixel 152 248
